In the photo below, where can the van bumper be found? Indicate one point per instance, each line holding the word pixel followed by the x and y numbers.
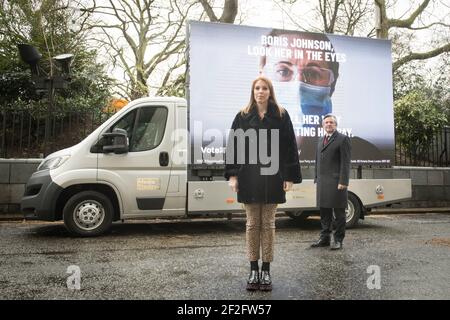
pixel 41 194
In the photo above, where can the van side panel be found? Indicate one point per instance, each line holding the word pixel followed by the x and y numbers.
pixel 375 192
pixel 216 196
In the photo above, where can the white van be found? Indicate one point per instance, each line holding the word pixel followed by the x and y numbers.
pixel 125 169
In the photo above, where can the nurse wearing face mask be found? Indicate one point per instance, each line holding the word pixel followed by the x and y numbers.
pixel 304 86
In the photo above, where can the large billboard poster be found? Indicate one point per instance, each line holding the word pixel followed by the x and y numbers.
pixel 313 74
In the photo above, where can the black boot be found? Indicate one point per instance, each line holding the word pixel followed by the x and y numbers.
pixel 337 245
pixel 265 281
pixel 253 278
pixel 322 242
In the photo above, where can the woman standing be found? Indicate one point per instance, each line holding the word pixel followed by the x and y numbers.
pixel 267 134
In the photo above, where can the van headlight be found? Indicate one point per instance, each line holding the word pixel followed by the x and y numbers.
pixel 52 163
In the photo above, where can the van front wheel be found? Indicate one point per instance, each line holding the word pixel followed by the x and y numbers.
pixel 88 213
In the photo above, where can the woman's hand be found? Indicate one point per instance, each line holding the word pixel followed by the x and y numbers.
pixel 287 185
pixel 342 187
pixel 233 183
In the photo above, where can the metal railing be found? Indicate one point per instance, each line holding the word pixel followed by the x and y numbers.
pixel 437 153
pixel 22 131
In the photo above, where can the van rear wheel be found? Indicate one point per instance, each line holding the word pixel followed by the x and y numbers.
pixel 353 211
pixel 88 213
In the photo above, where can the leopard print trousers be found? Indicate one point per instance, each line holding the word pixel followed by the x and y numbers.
pixel 260 231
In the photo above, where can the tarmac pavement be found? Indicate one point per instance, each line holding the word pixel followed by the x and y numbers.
pixel 388 256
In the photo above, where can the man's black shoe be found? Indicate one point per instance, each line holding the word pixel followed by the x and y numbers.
pixel 253 280
pixel 321 243
pixel 336 246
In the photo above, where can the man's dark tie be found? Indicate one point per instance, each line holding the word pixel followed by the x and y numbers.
pixel 325 140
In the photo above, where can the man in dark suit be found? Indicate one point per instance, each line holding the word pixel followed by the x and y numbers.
pixel 332 176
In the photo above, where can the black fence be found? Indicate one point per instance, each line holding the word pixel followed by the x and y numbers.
pixel 30 134
pixel 437 154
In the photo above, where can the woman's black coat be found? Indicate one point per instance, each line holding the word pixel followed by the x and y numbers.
pixel 254 187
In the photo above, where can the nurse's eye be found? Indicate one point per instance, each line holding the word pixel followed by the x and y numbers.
pixel 284 73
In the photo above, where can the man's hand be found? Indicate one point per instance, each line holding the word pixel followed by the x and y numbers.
pixel 233 183
pixel 287 185
pixel 342 187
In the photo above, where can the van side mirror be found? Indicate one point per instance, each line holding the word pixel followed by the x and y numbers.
pixel 118 141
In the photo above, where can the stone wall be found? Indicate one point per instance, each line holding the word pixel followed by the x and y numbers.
pixel 14 174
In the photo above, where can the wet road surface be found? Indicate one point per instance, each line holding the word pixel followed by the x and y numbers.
pixel 205 259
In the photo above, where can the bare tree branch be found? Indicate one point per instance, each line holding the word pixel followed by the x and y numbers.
pixel 295 20
pixel 152 31
pixel 420 56
pixel 209 11
pixel 180 62
pixel 386 24
pixel 406 23
pixel 430 25
pixel 229 13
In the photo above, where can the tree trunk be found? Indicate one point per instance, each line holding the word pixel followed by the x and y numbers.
pixel 229 13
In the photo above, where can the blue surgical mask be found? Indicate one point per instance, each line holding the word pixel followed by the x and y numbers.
pixel 287 95
pixel 315 100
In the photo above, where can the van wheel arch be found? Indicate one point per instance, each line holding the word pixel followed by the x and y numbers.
pixel 354 201
pixel 70 191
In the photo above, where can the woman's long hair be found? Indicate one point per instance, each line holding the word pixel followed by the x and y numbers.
pixel 272 100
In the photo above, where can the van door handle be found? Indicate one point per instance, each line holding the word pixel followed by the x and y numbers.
pixel 163 159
